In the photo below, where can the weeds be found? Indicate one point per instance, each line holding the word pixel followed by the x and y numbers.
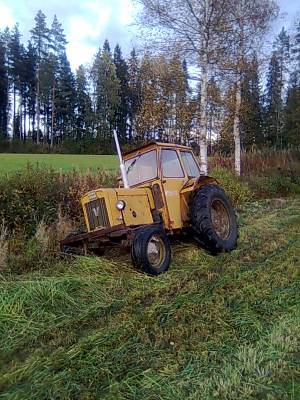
pixel 3 247
pixel 37 194
pixel 221 327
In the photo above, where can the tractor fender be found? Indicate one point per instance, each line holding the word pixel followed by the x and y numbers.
pixel 204 180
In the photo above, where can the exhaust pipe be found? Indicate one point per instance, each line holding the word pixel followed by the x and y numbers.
pixel 122 165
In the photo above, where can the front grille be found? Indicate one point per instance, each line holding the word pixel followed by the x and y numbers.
pixel 97 214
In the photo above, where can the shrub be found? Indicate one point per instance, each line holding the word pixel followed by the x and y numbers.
pixel 276 185
pixel 237 190
pixel 38 194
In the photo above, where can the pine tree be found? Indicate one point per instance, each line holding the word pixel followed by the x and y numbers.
pixel 15 62
pixel 30 66
pixel 40 40
pixel 123 108
pixel 57 46
pixel 3 89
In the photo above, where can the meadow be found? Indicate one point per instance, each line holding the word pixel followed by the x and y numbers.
pixel 60 162
pixel 224 327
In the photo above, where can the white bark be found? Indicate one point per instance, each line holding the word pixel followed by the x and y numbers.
pixel 203 155
pixel 203 119
pixel 236 126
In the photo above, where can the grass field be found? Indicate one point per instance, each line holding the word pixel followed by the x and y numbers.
pixel 225 327
pixel 63 162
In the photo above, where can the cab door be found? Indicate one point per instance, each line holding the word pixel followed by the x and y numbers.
pixel 173 179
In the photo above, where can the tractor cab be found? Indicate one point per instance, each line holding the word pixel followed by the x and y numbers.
pixel 166 169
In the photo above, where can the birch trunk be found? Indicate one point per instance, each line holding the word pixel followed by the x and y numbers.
pixel 203 121
pixel 236 126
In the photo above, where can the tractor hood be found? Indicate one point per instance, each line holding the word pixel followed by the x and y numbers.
pixel 100 207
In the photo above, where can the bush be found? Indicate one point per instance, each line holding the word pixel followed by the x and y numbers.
pixel 274 186
pixel 237 190
pixel 38 194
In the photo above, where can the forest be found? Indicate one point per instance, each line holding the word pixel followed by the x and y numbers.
pixel 145 95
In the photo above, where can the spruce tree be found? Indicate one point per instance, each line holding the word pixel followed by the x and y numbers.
pixel 134 98
pixel 295 54
pixel 251 112
pixel 273 103
pixel 122 110
pixel 106 98
pixel 83 106
pixel 65 99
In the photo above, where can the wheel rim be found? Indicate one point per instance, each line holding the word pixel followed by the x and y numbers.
pixel 156 251
pixel 220 219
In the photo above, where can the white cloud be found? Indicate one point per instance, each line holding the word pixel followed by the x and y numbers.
pixel 79 53
pixel 87 23
pixel 6 18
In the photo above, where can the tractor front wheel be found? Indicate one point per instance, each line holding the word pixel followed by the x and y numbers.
pixel 151 250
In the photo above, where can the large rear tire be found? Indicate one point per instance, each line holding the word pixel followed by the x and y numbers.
pixel 151 250
pixel 213 219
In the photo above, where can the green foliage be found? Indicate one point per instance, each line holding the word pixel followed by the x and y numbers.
pixel 275 185
pixel 38 194
pixel 237 190
pixel 222 327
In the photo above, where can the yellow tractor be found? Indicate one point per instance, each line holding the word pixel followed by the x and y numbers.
pixel 162 193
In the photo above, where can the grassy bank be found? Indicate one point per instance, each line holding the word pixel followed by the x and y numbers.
pixel 59 162
pixel 223 327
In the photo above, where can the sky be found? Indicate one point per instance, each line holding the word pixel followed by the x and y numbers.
pixel 88 23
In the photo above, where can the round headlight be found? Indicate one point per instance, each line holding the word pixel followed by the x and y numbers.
pixel 120 205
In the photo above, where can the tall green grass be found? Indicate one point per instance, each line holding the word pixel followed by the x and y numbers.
pixel 224 327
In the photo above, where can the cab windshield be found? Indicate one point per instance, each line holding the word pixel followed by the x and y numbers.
pixel 141 168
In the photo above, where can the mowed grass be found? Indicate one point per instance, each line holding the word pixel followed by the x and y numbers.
pixel 60 162
pixel 225 327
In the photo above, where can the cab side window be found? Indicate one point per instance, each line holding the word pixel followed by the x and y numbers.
pixel 190 164
pixel 171 166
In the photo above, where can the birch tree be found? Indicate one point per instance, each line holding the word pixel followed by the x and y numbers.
pixel 248 23
pixel 194 28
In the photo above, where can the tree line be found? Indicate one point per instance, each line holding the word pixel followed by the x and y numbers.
pixel 155 95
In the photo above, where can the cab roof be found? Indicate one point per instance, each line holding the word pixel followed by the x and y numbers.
pixel 152 145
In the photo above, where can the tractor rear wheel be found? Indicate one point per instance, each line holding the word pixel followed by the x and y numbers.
pixel 213 219
pixel 151 250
